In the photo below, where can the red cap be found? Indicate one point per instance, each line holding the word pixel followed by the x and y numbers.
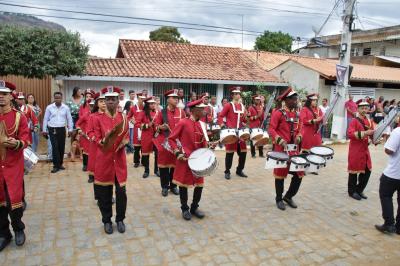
pixel 98 95
pixel 140 95
pixel 287 93
pixel 111 91
pixel 90 91
pixel 149 100
pixel 196 103
pixel 361 102
pixel 14 94
pixel 312 96
pixel 171 93
pixel 6 86
pixel 235 89
pixel 256 97
pixel 20 95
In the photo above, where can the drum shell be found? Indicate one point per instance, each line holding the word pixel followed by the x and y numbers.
pixel 272 163
pixel 263 140
pixel 313 167
pixel 203 154
pixel 244 134
pixel 256 134
pixel 326 157
pixel 298 167
pixel 228 136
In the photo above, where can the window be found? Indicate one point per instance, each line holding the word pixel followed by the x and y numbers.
pixel 367 51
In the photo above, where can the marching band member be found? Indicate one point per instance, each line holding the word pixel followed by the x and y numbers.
pixel 14 139
pixel 165 121
pixel 111 134
pixel 311 118
pixel 255 115
pixel 209 113
pixel 284 129
pixel 191 136
pixel 33 122
pixel 235 114
pixel 81 124
pixel 132 116
pixel 360 131
pixel 145 121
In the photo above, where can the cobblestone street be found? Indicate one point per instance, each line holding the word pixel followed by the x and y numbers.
pixel 242 226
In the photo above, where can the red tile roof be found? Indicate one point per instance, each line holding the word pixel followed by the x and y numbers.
pixel 148 59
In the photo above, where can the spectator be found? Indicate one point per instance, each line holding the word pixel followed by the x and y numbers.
pixel 122 101
pixel 213 103
pixel 130 102
pixel 324 107
pixel 181 99
pixel 75 103
pixel 37 111
pixel 386 106
pixel 351 108
pixel 56 117
pixel 379 110
pixel 158 104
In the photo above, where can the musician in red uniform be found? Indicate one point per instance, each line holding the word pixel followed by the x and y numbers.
pixel 255 115
pixel 33 122
pixel 137 132
pixel 191 136
pixel 81 124
pixel 311 118
pixel 235 114
pixel 285 131
pixel 165 121
pixel 15 138
pixel 98 108
pixel 111 134
pixel 145 121
pixel 360 132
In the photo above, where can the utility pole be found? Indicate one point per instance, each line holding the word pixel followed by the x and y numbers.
pixel 339 124
pixel 242 30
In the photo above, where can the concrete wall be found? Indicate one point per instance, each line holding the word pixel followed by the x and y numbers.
pixel 388 94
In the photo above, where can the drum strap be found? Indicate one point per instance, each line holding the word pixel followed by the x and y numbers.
pixel 165 120
pixel 314 116
pixel 291 122
pixel 362 123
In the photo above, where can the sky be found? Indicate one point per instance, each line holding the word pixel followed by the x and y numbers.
pixel 299 18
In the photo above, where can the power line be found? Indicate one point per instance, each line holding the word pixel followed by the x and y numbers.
pixel 335 6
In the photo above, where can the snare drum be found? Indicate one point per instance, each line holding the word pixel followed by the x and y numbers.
pixel 263 140
pixel 256 134
pixel 228 136
pixel 323 151
pixel 215 129
pixel 298 163
pixel 276 160
pixel 202 162
pixel 244 134
pixel 316 163
pixel 30 159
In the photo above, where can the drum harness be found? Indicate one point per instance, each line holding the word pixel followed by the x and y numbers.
pixel 314 117
pixel 238 112
pixel 292 122
pixel 363 124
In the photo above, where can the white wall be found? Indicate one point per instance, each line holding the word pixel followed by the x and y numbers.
pixel 388 94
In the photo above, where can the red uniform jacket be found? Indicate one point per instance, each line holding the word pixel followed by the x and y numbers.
pixel 93 143
pixel 255 114
pixel 134 112
pixel 165 158
pixel 31 119
pixel 191 137
pixel 142 122
pixel 311 136
pixel 359 158
pixel 82 127
pixel 12 166
pixel 111 164
pixel 232 119
pixel 280 130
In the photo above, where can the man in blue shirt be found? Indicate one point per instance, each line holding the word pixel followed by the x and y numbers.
pixel 56 117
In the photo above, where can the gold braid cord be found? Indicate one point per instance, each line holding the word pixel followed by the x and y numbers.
pixel 3 138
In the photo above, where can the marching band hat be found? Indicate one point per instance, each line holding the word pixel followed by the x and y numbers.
pixel 236 89
pixel 20 95
pixel 312 96
pixel 197 103
pixel 140 95
pixel 205 94
pixel 111 91
pixel 98 95
pixel 361 102
pixel 90 91
pixel 171 93
pixel 149 100
pixel 6 86
pixel 287 94
pixel 256 97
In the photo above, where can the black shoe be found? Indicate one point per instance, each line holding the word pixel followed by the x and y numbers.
pixel 62 168
pixel 121 227
pixel 157 173
pixel 386 229
pixel 356 196
pixel 90 179
pixel 84 168
pixel 281 205
pixel 186 215
pixel 227 176
pixel 4 241
pixel 290 202
pixel 164 192
pixel 362 195
pixel 19 237
pixel 145 175
pixel 253 156
pixel 174 191
pixel 197 213
pixel 108 228
pixel 241 174
pixel 24 205
pixel 136 165
pixel 55 170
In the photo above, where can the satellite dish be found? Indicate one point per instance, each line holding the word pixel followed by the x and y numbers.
pixel 316 55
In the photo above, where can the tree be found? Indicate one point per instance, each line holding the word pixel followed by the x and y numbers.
pixel 274 42
pixel 167 34
pixel 35 52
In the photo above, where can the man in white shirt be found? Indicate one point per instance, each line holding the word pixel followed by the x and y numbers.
pixel 213 103
pixel 389 183
pixel 122 101
pixel 323 107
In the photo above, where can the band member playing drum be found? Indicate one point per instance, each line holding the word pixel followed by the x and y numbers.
pixel 14 138
pixel 284 129
pixel 311 118
pixel 84 112
pixel 33 122
pixel 145 121
pixel 133 114
pixel 165 121
pixel 209 113
pixel 255 115
pixel 360 131
pixel 111 133
pixel 235 114
pixel 192 136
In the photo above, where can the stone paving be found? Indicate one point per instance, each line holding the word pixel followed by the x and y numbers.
pixel 242 227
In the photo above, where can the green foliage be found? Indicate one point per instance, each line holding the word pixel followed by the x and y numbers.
pixel 35 52
pixel 274 42
pixel 167 34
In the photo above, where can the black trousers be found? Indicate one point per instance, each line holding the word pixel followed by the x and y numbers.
pixel 293 188
pixel 15 217
pixel 85 159
pixel 229 160
pixel 387 187
pixel 57 139
pixel 166 176
pixel 155 159
pixel 104 196
pixel 183 195
pixel 358 182
pixel 253 149
pixel 136 154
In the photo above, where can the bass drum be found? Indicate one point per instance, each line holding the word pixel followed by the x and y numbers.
pixel 263 140
pixel 228 136
pixel 202 162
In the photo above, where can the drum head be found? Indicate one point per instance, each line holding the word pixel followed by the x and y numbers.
pixel 231 139
pixel 315 159
pixel 278 155
pixel 322 151
pixel 201 159
pixel 298 160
